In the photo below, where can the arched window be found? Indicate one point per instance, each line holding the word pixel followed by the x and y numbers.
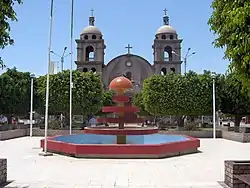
pixel 93 70
pixel 163 71
pixel 86 37
pixel 90 54
pixel 101 37
pixel 168 53
pixel 93 36
pixel 171 37
pixel 84 70
pixel 128 75
pixel 163 37
pixel 173 70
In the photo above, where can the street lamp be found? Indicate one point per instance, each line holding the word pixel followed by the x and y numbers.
pixel 32 76
pixel 188 54
pixel 214 128
pixel 61 56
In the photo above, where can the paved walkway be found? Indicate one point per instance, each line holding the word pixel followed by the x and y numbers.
pixel 28 169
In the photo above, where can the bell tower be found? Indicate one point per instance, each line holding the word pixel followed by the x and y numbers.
pixel 90 48
pixel 167 49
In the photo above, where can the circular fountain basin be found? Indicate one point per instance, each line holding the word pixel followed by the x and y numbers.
pixel 138 146
pixel 117 131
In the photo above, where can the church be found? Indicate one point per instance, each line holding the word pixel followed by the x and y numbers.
pixel 166 52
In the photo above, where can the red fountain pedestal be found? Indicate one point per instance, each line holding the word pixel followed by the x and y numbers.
pixel 120 85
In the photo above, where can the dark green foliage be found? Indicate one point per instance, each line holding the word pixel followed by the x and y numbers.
pixel 87 93
pixel 230 22
pixel 178 95
pixel 137 100
pixel 106 101
pixel 108 98
pixel 15 92
pixel 233 100
pixel 7 14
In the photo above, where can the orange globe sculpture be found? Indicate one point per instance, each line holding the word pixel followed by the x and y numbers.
pixel 120 84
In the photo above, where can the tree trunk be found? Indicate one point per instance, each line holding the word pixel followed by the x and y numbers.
pixel 83 122
pixel 192 118
pixel 180 120
pixel 67 120
pixel 237 120
pixel 9 118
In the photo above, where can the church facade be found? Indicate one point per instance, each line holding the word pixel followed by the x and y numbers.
pixel 166 52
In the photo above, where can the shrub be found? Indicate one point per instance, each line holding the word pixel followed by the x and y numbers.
pixel 191 126
pixel 54 124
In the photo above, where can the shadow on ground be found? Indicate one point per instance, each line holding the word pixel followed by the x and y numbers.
pixel 6 185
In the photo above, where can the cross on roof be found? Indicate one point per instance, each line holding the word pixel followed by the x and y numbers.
pixel 129 47
pixel 165 11
pixel 92 12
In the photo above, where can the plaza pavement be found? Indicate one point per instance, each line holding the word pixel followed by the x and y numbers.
pixel 202 170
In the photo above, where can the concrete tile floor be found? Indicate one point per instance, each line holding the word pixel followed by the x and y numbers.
pixel 27 169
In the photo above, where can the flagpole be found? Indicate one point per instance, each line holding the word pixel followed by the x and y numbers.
pixel 47 84
pixel 71 64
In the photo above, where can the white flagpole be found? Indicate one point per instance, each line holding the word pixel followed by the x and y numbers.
pixel 47 85
pixel 214 126
pixel 31 103
pixel 71 64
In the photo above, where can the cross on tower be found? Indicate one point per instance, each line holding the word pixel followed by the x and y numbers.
pixel 129 47
pixel 92 12
pixel 165 11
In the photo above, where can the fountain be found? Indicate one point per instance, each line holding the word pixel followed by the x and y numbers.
pixel 121 141
pixel 120 85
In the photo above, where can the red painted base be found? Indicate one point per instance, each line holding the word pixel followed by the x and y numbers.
pixel 120 109
pixel 120 120
pixel 123 150
pixel 116 131
pixel 120 98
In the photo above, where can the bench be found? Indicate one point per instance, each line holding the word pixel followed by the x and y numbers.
pixel 245 178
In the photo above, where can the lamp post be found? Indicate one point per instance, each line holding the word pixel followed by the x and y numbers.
pixel 214 127
pixel 32 76
pixel 188 54
pixel 61 56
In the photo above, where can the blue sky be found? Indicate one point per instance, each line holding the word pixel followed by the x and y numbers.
pixel 121 22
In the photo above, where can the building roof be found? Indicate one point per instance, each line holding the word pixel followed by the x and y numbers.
pixel 166 29
pixel 91 30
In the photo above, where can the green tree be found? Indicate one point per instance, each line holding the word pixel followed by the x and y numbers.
pixel 137 100
pixel 233 101
pixel 87 93
pixel 179 95
pixel 40 90
pixel 15 92
pixel 107 100
pixel 7 14
pixel 230 22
